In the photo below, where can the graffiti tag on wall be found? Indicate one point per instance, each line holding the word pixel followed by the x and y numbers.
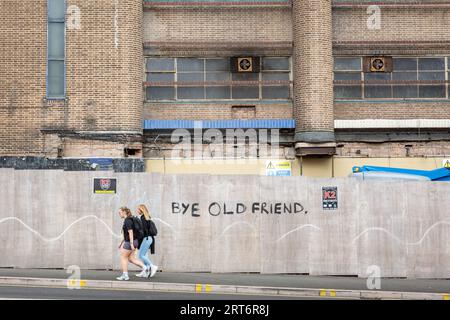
pixel 216 209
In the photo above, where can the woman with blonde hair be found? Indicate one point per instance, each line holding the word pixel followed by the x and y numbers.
pixel 148 241
pixel 129 243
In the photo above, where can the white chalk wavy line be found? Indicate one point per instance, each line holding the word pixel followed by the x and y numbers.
pixel 236 223
pixel 65 230
pixel 165 223
pixel 397 238
pixel 376 229
pixel 298 229
pixel 118 236
pixel 224 231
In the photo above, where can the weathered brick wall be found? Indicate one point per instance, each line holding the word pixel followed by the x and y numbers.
pixel 394 149
pixel 218 25
pixel 22 69
pixel 160 150
pixel 104 73
pixel 213 111
pixel 403 24
pixel 386 110
pixel 84 148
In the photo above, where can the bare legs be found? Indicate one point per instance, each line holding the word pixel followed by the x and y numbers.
pixel 128 256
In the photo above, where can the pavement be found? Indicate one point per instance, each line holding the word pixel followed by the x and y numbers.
pixel 236 284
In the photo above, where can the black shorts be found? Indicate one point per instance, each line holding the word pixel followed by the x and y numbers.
pixel 127 245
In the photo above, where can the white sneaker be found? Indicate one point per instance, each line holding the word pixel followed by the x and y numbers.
pixel 142 274
pixel 123 278
pixel 154 269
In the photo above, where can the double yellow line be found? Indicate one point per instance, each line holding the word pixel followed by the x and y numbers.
pixel 203 288
pixel 324 293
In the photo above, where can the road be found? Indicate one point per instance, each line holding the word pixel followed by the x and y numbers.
pixel 350 286
pixel 8 293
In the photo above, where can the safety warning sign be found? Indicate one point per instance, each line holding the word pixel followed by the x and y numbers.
pixel 278 168
pixel 446 163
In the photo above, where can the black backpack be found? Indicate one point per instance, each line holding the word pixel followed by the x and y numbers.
pixel 152 231
pixel 138 229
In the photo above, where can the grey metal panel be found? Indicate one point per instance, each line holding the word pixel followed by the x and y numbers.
pixel 187 246
pixel 382 225
pixel 7 216
pixel 40 210
pixel 332 250
pixel 88 220
pixel 235 238
pixel 286 238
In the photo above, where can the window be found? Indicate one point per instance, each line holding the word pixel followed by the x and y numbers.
pixel 211 79
pixel 160 93
pixel 375 85
pixel 217 79
pixel 56 82
pixel 448 75
pixel 347 71
pixel 432 71
pixel 191 78
pixel 405 78
pixel 347 64
pixel 275 78
pixel 160 72
pixel 411 78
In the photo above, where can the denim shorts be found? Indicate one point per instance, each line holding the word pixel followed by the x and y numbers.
pixel 127 245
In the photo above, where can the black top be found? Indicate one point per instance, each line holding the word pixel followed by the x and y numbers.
pixel 127 225
pixel 146 226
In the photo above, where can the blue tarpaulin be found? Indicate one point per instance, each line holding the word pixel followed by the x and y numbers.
pixel 441 174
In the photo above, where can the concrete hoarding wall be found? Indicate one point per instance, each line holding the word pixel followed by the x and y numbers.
pixel 7 213
pixel 53 219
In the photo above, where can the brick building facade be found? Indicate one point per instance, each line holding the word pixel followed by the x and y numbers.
pixel 112 78
pixel 103 69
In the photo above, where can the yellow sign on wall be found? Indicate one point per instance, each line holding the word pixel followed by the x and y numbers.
pixel 278 168
pixel 446 163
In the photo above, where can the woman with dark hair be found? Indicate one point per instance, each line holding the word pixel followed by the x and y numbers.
pixel 128 245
